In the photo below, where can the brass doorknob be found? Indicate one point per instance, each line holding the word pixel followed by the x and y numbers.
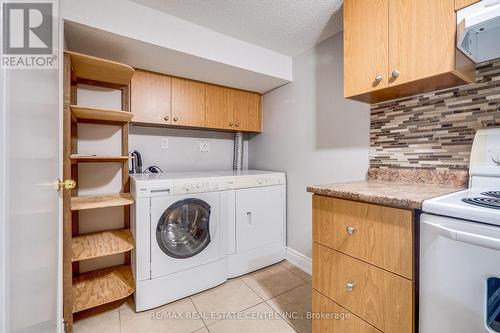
pixel 176 118
pixel 166 118
pixel 68 184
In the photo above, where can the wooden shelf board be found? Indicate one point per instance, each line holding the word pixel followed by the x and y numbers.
pixel 101 287
pixel 100 244
pixel 98 69
pixel 97 159
pixel 89 114
pixel 101 201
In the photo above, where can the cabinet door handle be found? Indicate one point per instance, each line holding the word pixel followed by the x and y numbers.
pixel 166 118
pixel 350 230
pixel 231 124
pixel 237 124
pixel 176 118
pixel 378 78
pixel 395 73
pixel 349 286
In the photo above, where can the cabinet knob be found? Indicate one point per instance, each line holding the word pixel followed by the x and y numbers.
pixel 378 78
pixel 349 286
pixel 231 124
pixel 395 73
pixel 176 118
pixel 350 230
pixel 237 124
pixel 166 118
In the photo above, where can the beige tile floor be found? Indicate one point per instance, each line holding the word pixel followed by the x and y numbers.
pixel 274 299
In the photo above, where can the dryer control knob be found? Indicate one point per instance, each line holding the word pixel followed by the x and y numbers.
pixel 260 180
pixel 188 187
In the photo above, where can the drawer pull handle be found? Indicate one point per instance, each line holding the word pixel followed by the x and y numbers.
pixel 349 230
pixel 349 286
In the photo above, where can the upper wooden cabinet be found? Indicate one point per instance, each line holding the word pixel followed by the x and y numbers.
pixel 150 98
pixel 366 46
pixel 188 102
pixel 396 48
pixel 219 107
pixel 247 111
pixel 159 99
pixel 459 4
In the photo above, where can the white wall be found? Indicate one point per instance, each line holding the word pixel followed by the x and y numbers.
pixel 183 152
pixel 313 134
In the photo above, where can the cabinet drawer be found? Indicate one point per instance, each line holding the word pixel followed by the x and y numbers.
pixel 324 309
pixel 382 236
pixel 381 298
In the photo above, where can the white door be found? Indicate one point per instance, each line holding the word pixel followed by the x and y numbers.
pixel 259 217
pixel 30 206
pixel 459 276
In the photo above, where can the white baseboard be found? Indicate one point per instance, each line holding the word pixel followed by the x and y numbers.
pixel 298 259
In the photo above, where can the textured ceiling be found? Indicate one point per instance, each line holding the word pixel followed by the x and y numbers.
pixel 285 26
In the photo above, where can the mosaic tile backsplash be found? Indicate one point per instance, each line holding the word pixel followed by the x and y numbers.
pixel 435 130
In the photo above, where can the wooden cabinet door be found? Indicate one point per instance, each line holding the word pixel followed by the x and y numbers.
pixel 188 102
pixel 150 98
pixel 459 4
pixel 381 236
pixel 345 323
pixel 381 298
pixel 219 107
pixel 366 33
pixel 421 39
pixel 247 111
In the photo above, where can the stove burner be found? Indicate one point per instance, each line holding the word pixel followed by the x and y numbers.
pixel 494 194
pixel 483 202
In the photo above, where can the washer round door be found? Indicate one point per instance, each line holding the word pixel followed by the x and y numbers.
pixel 183 229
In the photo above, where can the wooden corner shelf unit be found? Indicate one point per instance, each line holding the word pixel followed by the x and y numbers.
pixel 84 291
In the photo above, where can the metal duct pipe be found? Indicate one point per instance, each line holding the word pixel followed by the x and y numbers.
pixel 238 151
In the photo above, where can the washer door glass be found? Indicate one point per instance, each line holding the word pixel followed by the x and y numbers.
pixel 183 229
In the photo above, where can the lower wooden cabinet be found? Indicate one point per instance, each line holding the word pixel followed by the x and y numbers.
pixel 363 257
pixel 329 317
pixel 381 298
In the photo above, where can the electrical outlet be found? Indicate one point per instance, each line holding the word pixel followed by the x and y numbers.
pixel 164 143
pixel 204 146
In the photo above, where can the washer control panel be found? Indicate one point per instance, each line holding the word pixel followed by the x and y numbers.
pixel 195 186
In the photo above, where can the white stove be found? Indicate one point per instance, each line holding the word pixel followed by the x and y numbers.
pixel 460 249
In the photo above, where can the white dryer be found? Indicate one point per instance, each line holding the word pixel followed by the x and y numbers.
pixel 180 238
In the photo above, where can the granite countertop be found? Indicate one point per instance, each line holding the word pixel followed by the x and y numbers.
pixel 398 188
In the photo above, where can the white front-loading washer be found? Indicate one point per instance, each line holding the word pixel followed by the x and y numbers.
pixel 184 232
pixel 179 232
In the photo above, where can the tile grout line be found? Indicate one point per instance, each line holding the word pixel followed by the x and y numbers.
pixel 279 314
pixel 201 317
pixel 293 272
